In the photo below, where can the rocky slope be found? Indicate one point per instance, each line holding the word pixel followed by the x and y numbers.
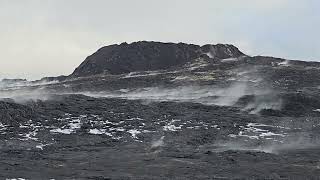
pixel 151 110
pixel 149 56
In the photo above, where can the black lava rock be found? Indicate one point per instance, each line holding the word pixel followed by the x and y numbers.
pixel 148 56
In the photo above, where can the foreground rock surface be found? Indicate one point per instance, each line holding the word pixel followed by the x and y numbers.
pixel 89 138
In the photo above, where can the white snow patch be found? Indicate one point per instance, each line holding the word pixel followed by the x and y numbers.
pixel 140 74
pixel 216 126
pixel 117 129
pixel 2 125
pixel 171 127
pixel 265 125
pixel 62 131
pixel 256 133
pixel 270 134
pixel 243 135
pixel 112 123
pixel 199 63
pixel 75 124
pixel 134 133
pixel 146 73
pixel 147 131
pixel 229 59
pixel 136 118
pixel 41 146
pixel 96 131
pixel 30 136
pixel 99 132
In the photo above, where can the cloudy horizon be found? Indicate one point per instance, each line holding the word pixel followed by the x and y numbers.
pixel 52 37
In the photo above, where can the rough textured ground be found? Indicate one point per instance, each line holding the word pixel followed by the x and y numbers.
pixel 212 117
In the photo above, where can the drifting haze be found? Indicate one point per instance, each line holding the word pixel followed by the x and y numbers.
pixel 52 37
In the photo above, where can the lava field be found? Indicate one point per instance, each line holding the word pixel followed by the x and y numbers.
pixel 165 111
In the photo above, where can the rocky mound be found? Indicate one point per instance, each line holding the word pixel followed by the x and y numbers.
pixel 13 114
pixel 149 56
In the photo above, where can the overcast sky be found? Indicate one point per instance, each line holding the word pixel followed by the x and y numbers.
pixel 52 37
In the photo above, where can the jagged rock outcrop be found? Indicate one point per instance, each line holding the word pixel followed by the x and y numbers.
pixel 149 56
pixel 6 82
pixel 13 114
pixel 48 79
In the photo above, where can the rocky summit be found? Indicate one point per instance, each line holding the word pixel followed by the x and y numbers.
pixel 149 56
pixel 152 110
